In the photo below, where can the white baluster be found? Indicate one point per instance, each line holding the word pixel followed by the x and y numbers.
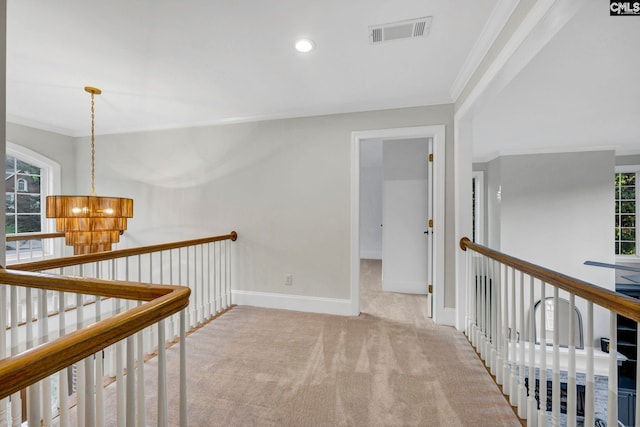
pixel 483 309
pixel 205 289
pixel 43 333
pixel 555 381
pixel 476 301
pixel 532 407
pixel 468 306
pixel 172 321
pixel 500 339
pixel 120 385
pixel 63 379
pixel 571 374
pixel 492 317
pixel 99 373
pixel 589 405
pixel 612 405
pixel 80 367
pixel 522 391
pixel 212 291
pixel 16 401
pixel 513 361
pixel 227 272
pixel 162 378
pixel 194 293
pixel 131 382
pixel 505 332
pixel 542 388
pixel 217 286
pixel 33 391
pixel 90 403
pixel 140 377
pixel 183 370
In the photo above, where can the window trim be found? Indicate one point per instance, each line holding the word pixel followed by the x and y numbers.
pixel 49 185
pixel 631 258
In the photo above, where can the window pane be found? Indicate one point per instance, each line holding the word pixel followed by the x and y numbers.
pixel 10 203
pixel 626 221
pixel 28 203
pixel 628 234
pixel 28 223
pixel 628 192
pixel 628 207
pixel 10 165
pixel 627 178
pixel 10 224
pixel 627 248
pixel 24 167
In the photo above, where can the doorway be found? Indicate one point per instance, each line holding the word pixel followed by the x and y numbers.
pixel 433 260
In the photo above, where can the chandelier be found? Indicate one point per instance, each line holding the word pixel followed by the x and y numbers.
pixel 90 223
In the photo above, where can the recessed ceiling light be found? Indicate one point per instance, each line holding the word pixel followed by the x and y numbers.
pixel 304 45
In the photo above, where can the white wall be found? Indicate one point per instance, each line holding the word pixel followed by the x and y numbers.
pixel 371 199
pixel 556 210
pixel 284 185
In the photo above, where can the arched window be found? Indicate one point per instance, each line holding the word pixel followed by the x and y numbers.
pixel 29 179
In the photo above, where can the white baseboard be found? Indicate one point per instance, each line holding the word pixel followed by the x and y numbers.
pixel 340 307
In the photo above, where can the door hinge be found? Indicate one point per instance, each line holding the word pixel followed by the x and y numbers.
pixel 431 157
pixel 430 289
pixel 431 223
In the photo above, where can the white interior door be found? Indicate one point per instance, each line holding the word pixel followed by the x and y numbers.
pixel 406 236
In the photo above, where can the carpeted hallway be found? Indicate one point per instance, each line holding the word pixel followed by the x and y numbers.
pixel 389 367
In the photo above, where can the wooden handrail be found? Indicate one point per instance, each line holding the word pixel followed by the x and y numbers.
pixel 32 365
pixel 616 302
pixel 32 236
pixel 49 264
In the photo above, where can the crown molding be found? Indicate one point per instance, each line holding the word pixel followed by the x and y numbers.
pixel 494 25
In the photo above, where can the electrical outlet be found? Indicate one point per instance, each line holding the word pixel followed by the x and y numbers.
pixel 288 279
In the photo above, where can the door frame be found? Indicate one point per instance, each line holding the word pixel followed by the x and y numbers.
pixel 437 132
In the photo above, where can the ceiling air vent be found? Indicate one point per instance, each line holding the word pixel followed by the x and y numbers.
pixel 408 29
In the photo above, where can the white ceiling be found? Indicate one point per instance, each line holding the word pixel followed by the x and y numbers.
pixel 582 91
pixel 165 64
pixel 169 63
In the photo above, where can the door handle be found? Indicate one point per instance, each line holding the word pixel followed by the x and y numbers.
pixel 426 232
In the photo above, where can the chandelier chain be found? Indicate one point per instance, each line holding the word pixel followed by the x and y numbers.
pixel 93 147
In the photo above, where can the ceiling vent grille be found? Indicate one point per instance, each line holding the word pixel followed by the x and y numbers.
pixel 408 29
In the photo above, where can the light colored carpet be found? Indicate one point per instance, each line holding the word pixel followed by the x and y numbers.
pixel 391 366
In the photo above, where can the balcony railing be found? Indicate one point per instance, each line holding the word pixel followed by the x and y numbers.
pixel 523 321
pixel 76 323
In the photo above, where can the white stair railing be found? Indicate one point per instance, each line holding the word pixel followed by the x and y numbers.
pixel 40 316
pixel 541 372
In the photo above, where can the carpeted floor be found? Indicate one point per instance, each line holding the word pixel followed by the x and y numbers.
pixel 391 366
